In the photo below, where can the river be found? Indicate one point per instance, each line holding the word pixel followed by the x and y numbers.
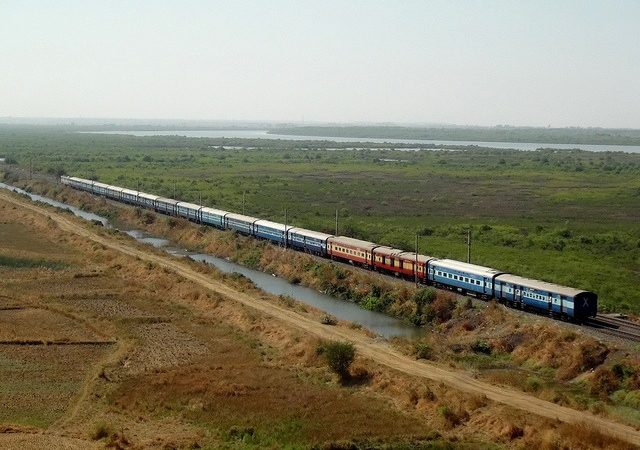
pixel 263 134
pixel 379 323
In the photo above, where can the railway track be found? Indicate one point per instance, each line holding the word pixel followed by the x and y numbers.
pixel 615 326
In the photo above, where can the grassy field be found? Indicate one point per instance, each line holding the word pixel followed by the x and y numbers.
pixel 569 217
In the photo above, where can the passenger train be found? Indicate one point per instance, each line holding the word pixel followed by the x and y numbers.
pixel 469 279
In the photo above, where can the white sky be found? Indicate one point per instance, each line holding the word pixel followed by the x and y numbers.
pixel 558 63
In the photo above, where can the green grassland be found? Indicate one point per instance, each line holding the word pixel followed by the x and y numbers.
pixel 570 217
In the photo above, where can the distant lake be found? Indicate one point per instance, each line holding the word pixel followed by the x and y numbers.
pixel 263 134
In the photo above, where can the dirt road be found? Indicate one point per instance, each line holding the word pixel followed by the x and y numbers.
pixel 380 352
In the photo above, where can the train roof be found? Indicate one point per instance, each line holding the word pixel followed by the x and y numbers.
pixel 388 251
pixel 270 224
pixel 365 245
pixel 189 205
pixel 129 191
pixel 540 285
pixel 167 200
pixel 411 256
pixel 217 212
pixel 148 196
pixel 466 267
pixel 310 233
pixel 77 179
pixel 241 217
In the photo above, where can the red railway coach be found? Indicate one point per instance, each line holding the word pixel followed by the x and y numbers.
pixel 412 265
pixel 352 250
pixel 402 263
pixel 387 259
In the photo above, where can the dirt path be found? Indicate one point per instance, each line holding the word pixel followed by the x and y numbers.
pixel 380 352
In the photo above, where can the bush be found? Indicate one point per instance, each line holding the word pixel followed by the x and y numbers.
pixel 339 356
pixel 603 382
pixel 630 399
pixel 100 431
pixel 423 297
pixel 533 384
pixel 148 218
pixel 422 350
pixel 328 319
pixel 480 346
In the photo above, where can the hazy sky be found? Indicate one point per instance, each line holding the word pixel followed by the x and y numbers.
pixel 556 63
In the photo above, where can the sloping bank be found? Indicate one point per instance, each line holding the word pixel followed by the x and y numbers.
pixel 371 291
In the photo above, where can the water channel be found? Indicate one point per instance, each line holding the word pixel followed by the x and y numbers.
pixel 379 323
pixel 264 134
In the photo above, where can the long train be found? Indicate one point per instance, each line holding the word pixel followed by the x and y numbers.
pixel 469 279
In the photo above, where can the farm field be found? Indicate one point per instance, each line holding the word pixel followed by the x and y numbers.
pixel 181 365
pixel 568 217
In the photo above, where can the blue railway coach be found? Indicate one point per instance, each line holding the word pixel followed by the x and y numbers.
pixel 189 211
pixel 273 231
pixel 308 240
pixel 214 217
pixel 464 277
pixel 556 300
pixel 239 222
pixel 147 200
pixel 166 206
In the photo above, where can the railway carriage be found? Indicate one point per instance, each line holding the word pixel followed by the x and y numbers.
pixel 147 200
pixel 189 211
pixel 463 277
pixel 113 192
pixel 166 206
pixel 388 259
pixel 129 196
pixel 273 231
pixel 77 183
pixel 412 266
pixel 308 240
pixel 212 216
pixel 240 223
pixel 542 296
pixel 100 188
pixel 352 250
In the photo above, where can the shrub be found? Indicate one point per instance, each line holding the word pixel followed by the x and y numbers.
pixel 452 418
pixel 148 218
pixel 100 431
pixel 533 384
pixel 422 350
pixel 339 356
pixel 441 309
pixel 423 297
pixel 480 346
pixel 603 382
pixel 630 399
pixel 328 319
